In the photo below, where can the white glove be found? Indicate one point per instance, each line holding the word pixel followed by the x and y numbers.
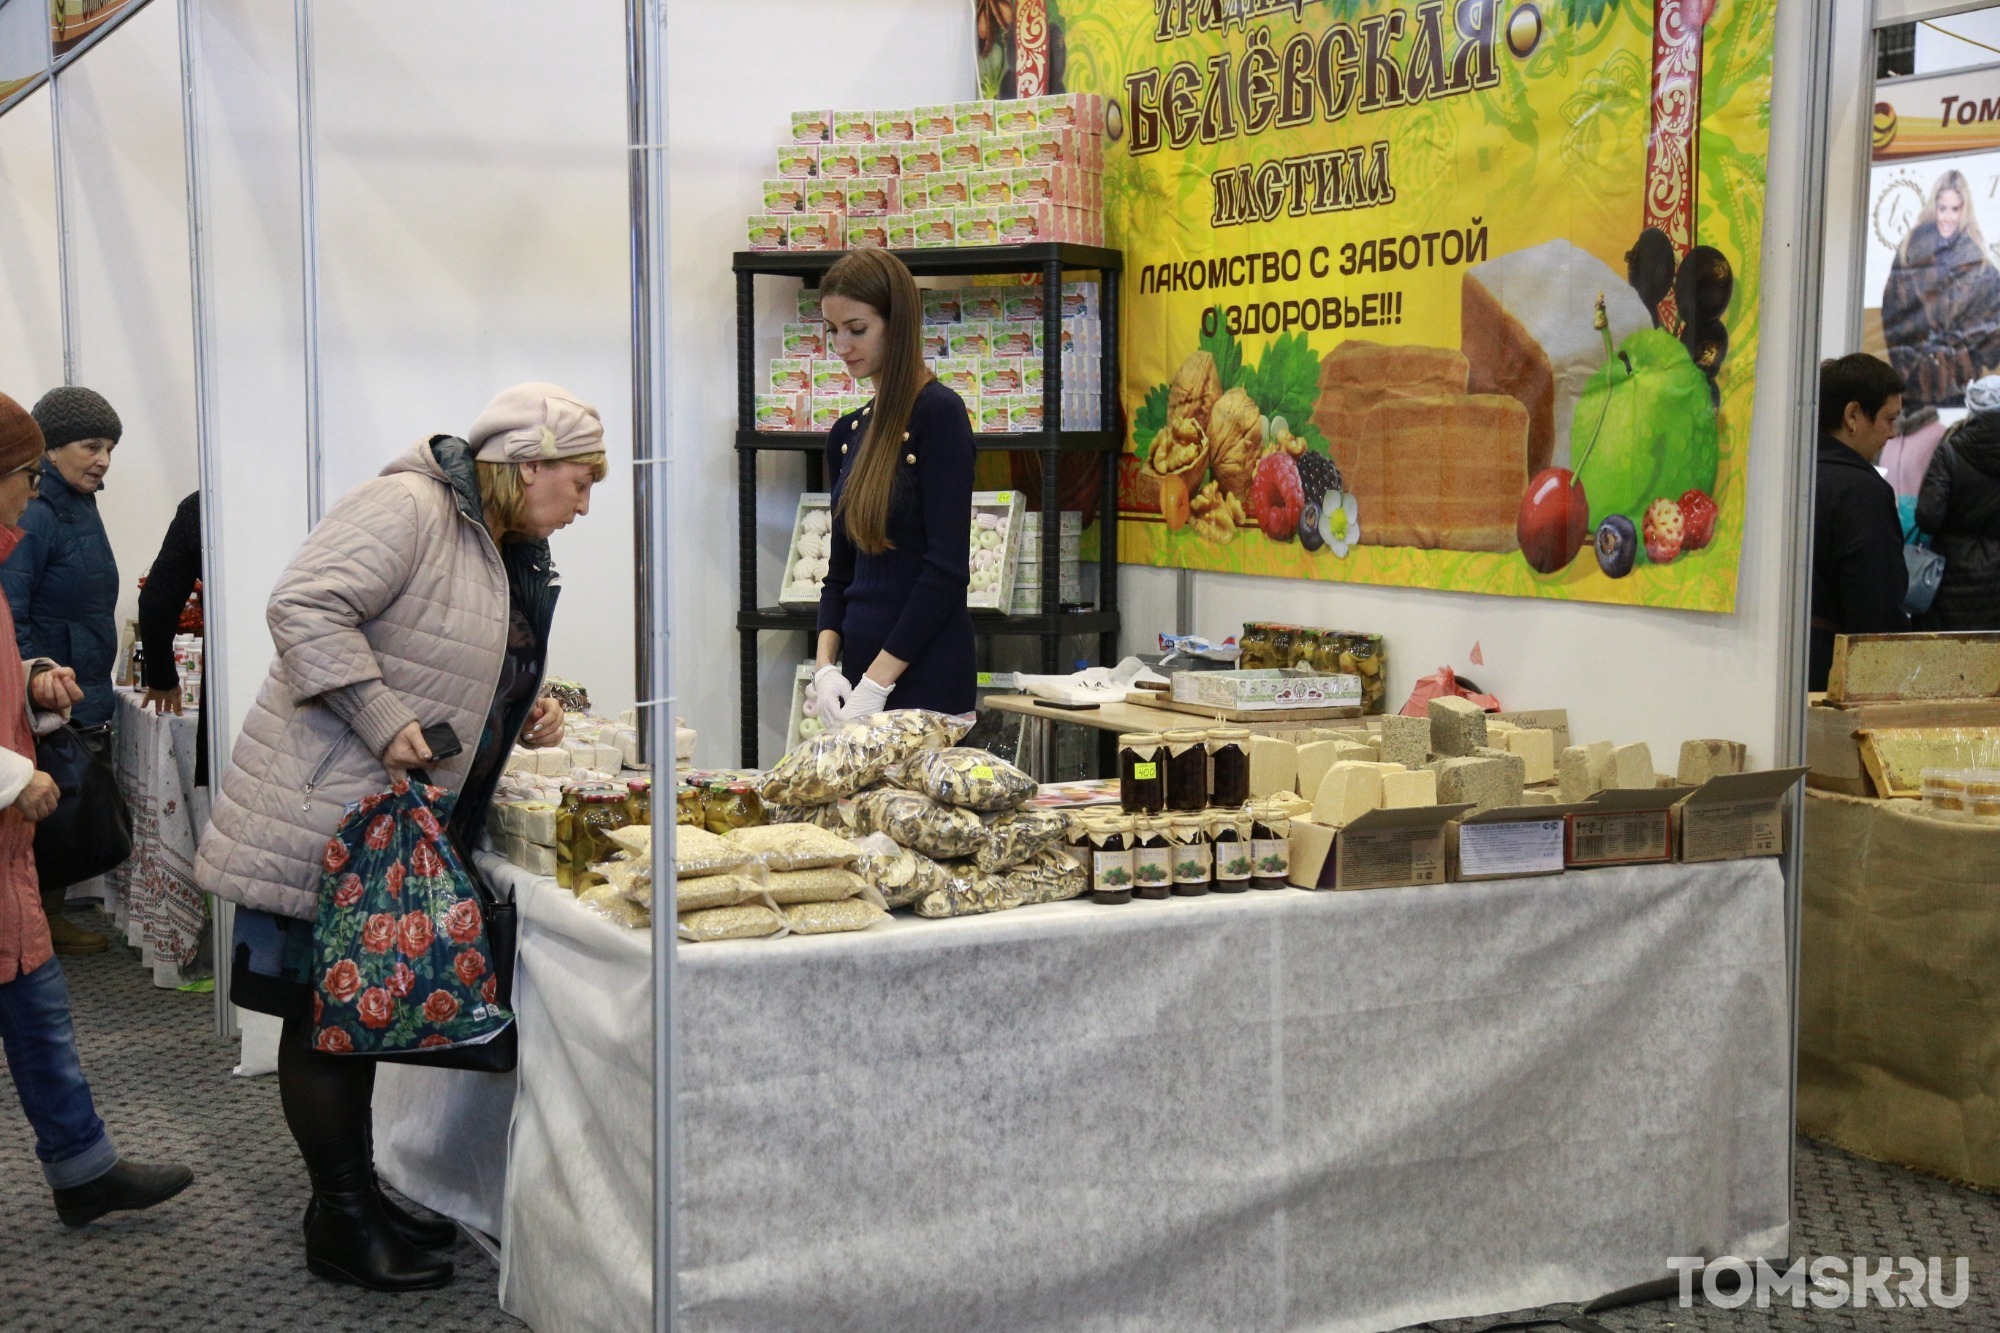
pixel 826 696
pixel 868 698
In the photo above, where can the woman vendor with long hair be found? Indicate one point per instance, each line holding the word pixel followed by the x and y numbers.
pixel 1941 307
pixel 892 610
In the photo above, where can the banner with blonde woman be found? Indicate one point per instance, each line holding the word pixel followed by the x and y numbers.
pixel 1451 294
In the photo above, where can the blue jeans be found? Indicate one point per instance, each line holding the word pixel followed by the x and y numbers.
pixel 40 1042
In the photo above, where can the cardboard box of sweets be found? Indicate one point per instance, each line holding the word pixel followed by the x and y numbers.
pixel 1383 849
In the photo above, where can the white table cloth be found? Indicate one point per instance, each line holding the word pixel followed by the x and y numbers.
pixel 152 897
pixel 1339 1111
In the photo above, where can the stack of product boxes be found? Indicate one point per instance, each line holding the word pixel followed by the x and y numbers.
pixel 984 343
pixel 972 173
pixel 1029 565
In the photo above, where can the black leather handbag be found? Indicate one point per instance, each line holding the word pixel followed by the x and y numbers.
pixel 91 829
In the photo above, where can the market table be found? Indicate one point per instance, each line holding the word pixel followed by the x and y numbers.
pixel 152 897
pixel 1279 1110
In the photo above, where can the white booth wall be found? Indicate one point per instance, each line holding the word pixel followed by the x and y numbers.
pixel 473 234
pixel 30 262
pixel 731 89
pixel 131 329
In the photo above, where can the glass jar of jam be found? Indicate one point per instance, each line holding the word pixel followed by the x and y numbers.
pixel 1270 849
pixel 1110 862
pixel 1142 773
pixel 1152 859
pixel 1228 766
pixel 1193 861
pixel 1229 840
pixel 639 801
pixel 1187 769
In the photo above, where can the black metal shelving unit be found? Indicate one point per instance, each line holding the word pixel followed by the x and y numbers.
pixel 1052 624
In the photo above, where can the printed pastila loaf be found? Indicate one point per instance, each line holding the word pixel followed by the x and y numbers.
pixel 1526 324
pixel 1432 466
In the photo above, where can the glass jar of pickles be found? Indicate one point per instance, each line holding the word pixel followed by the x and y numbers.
pixel 1280 652
pixel 639 801
pixel 601 813
pixel 1305 643
pixel 1254 647
pixel 566 812
pixel 732 805
pixel 688 805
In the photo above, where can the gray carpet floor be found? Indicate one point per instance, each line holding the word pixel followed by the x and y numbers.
pixel 228 1255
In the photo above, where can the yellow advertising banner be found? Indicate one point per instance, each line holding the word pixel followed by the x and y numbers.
pixel 1455 294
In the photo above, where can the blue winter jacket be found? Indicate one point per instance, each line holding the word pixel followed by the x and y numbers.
pixel 62 585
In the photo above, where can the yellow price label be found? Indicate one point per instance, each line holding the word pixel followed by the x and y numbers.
pixel 1145 772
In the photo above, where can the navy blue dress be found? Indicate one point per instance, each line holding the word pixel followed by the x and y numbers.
pixel 910 599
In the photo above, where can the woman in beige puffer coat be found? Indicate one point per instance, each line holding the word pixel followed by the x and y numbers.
pixel 424 596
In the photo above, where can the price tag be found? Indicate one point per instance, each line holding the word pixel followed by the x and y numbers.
pixel 984 680
pixel 983 773
pixel 1145 772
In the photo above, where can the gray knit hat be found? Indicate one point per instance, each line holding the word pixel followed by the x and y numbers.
pixel 69 414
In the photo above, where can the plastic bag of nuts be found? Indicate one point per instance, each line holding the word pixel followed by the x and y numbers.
pixel 841 762
pixel 968 778
pixel 914 820
pixel 1013 838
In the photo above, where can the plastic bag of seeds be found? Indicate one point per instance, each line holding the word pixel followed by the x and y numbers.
pixel 1049 876
pixel 606 901
pixel 968 892
pixel 834 917
pixel 841 762
pixel 793 846
pixel 968 778
pixel 826 885
pixel 743 922
pixel 699 852
pixel 1013 838
pixel 914 820
pixel 695 895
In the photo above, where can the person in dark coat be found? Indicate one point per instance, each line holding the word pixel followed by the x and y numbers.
pixel 893 609
pixel 1858 577
pixel 1959 505
pixel 62 585
pixel 169 583
pixel 1941 307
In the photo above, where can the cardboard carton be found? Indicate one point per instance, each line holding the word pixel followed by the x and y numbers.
pixel 1735 815
pixel 1510 843
pixel 1617 828
pixel 1383 849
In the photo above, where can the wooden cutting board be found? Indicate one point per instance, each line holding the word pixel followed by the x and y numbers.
pixel 1212 713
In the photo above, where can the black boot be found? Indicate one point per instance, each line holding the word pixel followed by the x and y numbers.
pixel 127 1185
pixel 426 1233
pixel 349 1237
